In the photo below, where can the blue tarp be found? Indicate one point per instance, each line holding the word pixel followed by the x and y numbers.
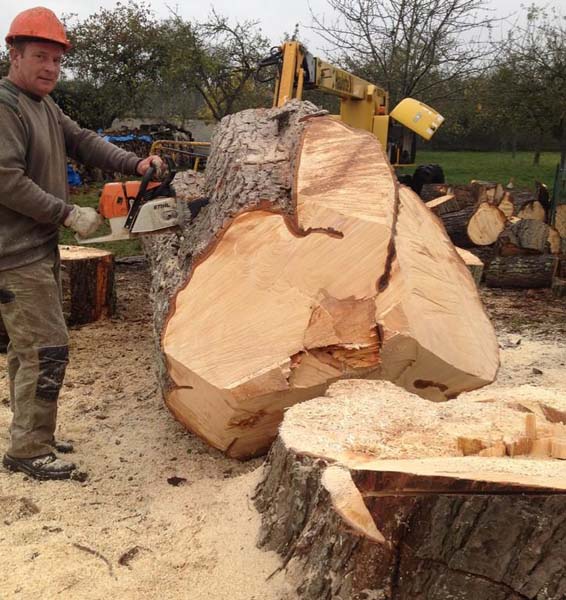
pixel 73 178
pixel 127 138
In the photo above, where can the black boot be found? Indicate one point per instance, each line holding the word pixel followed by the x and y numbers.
pixel 40 467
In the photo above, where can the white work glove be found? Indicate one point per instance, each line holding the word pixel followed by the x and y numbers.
pixel 84 220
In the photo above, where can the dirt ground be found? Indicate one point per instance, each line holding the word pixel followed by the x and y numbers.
pixel 127 531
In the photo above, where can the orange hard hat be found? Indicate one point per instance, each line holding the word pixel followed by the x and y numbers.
pixel 41 23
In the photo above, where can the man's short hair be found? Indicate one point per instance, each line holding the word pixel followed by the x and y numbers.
pixel 21 42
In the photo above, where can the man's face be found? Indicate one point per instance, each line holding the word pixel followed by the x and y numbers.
pixel 36 69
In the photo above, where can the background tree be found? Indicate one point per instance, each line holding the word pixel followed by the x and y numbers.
pixel 534 58
pixel 119 53
pixel 421 48
pixel 219 60
pixel 4 63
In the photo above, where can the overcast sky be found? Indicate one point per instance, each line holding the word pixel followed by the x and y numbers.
pixel 275 16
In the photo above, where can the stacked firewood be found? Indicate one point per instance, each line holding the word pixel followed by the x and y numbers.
pixel 506 229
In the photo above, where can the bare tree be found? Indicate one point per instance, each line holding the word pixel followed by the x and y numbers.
pixel 535 53
pixel 422 48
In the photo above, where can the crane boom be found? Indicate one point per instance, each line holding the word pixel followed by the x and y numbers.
pixel 363 105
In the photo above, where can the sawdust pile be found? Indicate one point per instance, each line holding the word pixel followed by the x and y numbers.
pixel 161 515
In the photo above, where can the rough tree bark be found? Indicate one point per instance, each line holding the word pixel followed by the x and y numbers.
pixel 366 494
pixel 87 281
pixel 309 264
pixel 521 272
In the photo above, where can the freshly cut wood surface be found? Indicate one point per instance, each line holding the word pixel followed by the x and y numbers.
pixel 459 198
pixel 527 206
pixel 272 335
pixel 401 456
pixel 437 339
pixel 277 295
pixel 506 205
pixel 488 191
pixel 486 224
pixel 87 281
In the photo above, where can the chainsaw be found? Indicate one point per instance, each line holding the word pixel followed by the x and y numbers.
pixel 141 207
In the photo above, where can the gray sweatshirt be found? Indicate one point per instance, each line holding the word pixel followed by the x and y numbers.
pixel 35 139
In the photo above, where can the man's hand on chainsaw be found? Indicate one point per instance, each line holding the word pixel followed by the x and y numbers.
pixel 155 161
pixel 84 220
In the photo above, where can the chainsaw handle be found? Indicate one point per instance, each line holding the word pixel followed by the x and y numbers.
pixel 147 177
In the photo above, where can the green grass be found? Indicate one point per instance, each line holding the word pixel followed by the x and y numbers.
pixel 461 167
pixel 90 197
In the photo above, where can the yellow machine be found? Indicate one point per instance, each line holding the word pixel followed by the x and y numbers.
pixel 363 105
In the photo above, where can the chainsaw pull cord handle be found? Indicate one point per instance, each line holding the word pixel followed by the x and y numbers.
pixel 138 200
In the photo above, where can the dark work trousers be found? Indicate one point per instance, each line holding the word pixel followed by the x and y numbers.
pixel 30 306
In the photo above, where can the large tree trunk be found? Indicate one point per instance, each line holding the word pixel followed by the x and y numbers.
pixel 405 515
pixel 309 264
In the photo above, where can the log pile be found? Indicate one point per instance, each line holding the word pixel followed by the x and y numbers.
pixel 371 492
pixel 502 227
pixel 309 264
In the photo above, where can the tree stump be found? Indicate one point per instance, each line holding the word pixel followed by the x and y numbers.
pixel 367 494
pixel 309 264
pixel 87 284
pixel 87 280
pixel 521 272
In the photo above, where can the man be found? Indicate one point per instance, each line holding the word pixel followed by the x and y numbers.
pixel 35 139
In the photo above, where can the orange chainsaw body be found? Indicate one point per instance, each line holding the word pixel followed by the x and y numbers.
pixel 116 197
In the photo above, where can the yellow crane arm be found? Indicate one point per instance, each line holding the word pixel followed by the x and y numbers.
pixel 362 104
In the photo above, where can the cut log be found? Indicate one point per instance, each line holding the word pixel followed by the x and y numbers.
pixel 87 280
pixel 527 206
pixel 487 191
pixel 474 264
pixel 506 205
pixel 366 494
pixel 87 284
pixel 430 191
pixel 527 236
pixel 521 272
pixel 458 198
pixel 267 297
pixel 485 224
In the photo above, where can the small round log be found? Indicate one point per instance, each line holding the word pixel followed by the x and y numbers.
pixel 486 224
pixel 87 279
